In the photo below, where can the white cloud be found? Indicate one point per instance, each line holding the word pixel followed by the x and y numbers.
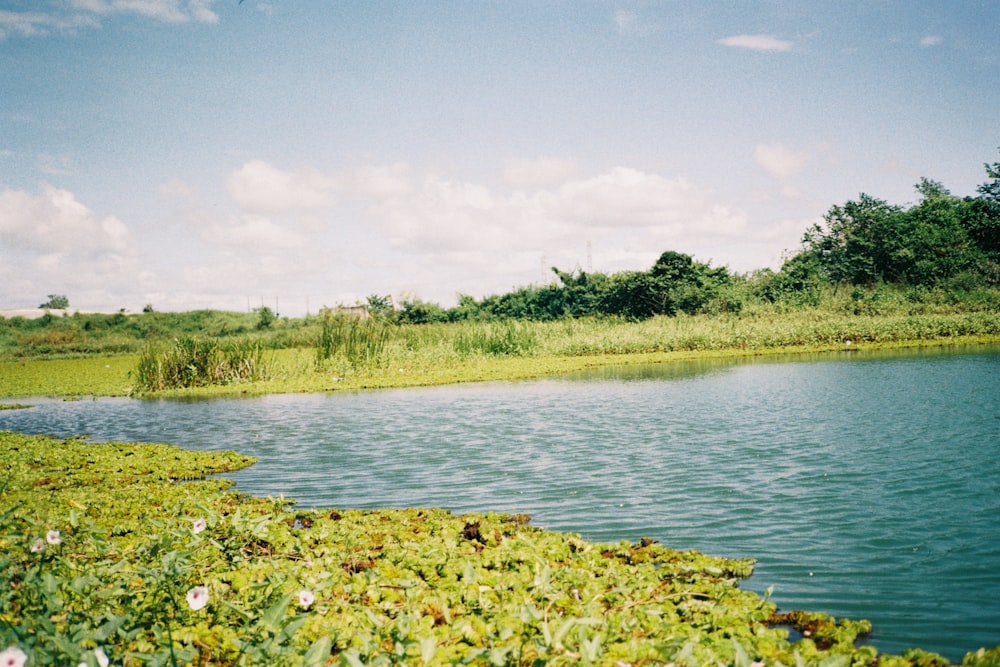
pixel 623 206
pixel 55 222
pixel 33 24
pixel 757 42
pixel 253 232
pixel 262 188
pixel 538 173
pixel 169 11
pixel 626 197
pixel 52 241
pixel 85 14
pixel 780 162
pixel 930 40
pixel 379 181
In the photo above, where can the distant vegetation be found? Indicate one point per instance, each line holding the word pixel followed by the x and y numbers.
pixel 55 302
pixel 870 272
pixel 941 249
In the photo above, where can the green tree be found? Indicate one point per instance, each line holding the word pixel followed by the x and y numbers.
pixel 266 317
pixel 852 243
pixel 56 302
pixel 415 311
pixel 380 306
pixel 982 215
pixel 930 243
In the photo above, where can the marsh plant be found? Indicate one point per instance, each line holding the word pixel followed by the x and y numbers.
pixel 359 342
pixel 505 338
pixel 194 362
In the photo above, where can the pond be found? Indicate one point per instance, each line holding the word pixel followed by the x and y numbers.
pixel 866 485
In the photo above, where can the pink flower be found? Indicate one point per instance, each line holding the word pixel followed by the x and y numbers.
pixel 37 547
pixel 197 597
pixel 53 537
pixel 306 598
pixel 13 657
pixel 199 525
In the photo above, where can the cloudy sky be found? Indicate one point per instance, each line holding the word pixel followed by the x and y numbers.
pixel 300 153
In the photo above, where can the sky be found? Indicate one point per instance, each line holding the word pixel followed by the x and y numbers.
pixel 191 154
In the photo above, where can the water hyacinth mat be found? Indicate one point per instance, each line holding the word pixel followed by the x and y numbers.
pixel 125 554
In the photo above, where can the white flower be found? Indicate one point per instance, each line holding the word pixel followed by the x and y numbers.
pixel 53 537
pixel 197 597
pixel 199 525
pixel 13 657
pixel 306 598
pixel 38 546
pixel 102 659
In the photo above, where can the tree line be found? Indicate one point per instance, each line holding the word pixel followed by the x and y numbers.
pixel 940 242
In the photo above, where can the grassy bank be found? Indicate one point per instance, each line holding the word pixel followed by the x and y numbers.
pixel 159 569
pixel 428 354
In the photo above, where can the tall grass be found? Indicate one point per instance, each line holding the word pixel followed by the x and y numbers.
pixel 359 342
pixel 194 362
pixel 506 338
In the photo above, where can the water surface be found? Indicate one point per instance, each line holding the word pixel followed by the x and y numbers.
pixel 866 486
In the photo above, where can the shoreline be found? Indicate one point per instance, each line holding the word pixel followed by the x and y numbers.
pixel 109 376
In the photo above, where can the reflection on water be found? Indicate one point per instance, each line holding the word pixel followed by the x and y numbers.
pixel 866 485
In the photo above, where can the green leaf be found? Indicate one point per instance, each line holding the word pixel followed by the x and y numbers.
pixel 275 613
pixel 428 647
pixel 319 652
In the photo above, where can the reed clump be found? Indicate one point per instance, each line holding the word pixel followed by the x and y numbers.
pixel 359 342
pixel 196 362
pixel 505 338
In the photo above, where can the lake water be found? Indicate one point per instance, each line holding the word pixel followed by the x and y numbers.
pixel 867 486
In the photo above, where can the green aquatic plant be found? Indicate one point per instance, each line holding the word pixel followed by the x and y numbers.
pixel 359 342
pixel 195 362
pixel 160 569
pixel 499 339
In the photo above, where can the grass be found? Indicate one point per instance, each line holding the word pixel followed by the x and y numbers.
pixel 160 569
pixel 428 354
pixel 194 362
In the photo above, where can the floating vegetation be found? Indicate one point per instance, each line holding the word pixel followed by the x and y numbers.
pixel 108 555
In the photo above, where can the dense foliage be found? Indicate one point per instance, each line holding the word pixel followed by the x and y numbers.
pixel 153 570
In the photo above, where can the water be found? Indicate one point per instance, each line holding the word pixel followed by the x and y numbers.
pixel 867 486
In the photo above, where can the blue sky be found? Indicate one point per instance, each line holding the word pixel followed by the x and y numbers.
pixel 300 153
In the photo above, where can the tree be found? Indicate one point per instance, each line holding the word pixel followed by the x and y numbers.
pixel 982 215
pixel 851 245
pixel 266 319
pixel 931 243
pixel 56 302
pixel 380 306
